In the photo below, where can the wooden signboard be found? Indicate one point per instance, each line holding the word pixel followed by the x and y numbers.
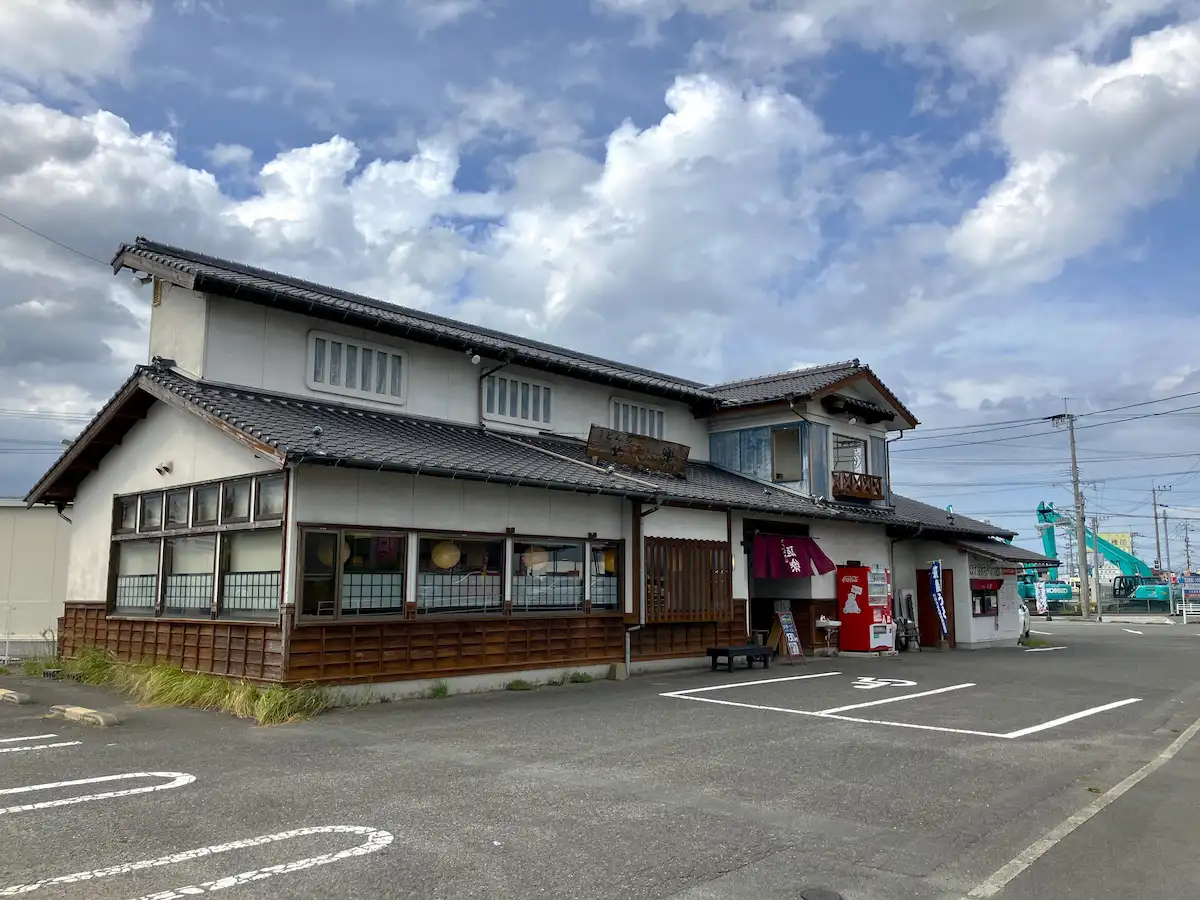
pixel 637 451
pixel 784 638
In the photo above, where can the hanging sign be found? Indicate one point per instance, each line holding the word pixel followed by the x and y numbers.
pixel 785 639
pixel 935 592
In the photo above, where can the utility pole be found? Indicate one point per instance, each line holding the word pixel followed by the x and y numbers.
pixel 1096 567
pixel 1158 557
pixel 1187 548
pixel 1167 540
pixel 1080 542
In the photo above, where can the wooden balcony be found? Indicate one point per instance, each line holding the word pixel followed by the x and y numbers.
pixel 855 486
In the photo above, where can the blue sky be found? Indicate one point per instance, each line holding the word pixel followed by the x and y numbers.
pixel 994 206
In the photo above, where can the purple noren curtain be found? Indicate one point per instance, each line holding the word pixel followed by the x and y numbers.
pixel 776 556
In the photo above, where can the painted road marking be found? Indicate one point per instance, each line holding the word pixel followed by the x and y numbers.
pixel 841 709
pixel 32 737
pixel 178 779
pixel 40 746
pixel 736 684
pixel 996 882
pixel 869 683
pixel 1042 649
pixel 1040 632
pixel 834 713
pixel 375 840
pixel 1131 631
pixel 1054 723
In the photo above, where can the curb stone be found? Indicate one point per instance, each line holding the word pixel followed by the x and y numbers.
pixel 83 716
pixel 7 696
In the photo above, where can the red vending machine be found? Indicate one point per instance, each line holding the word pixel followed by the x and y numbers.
pixel 864 598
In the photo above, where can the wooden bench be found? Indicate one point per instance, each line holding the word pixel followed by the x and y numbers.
pixel 750 651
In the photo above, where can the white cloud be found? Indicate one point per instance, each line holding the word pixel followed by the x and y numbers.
pixel 230 156
pixel 1088 144
pixel 55 43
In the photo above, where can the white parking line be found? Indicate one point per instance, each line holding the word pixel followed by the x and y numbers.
pixel 40 747
pixel 996 882
pixel 834 712
pixel 1131 631
pixel 32 737
pixel 1042 649
pixel 841 709
pixel 722 687
pixel 1072 717
pixel 178 779
pixel 375 840
pixel 1041 632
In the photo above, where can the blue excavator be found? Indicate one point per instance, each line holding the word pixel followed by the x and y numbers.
pixel 1137 580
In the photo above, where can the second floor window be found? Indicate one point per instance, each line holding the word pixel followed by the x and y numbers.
pixel 849 455
pixel 340 365
pixel 636 418
pixel 516 400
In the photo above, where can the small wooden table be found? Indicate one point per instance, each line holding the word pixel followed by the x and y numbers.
pixel 750 651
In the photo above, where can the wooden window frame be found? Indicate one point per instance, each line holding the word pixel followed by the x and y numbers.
pixel 540 424
pixel 219 530
pixel 340 532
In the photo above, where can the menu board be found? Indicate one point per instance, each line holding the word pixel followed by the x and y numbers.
pixel 785 638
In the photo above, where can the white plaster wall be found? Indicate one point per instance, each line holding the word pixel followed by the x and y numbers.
pixel 693 524
pixel 266 348
pixel 845 541
pixel 991 631
pixel 177 327
pixel 34 546
pixel 197 452
pixel 332 496
pixel 909 556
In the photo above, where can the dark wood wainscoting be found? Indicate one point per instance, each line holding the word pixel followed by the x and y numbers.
pixel 670 640
pixel 252 650
pixel 346 653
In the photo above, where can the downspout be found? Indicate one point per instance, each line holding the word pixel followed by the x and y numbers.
pixel 639 576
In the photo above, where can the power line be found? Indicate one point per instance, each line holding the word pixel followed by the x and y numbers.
pixel 46 237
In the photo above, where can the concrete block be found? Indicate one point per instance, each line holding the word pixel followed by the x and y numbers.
pixel 14 697
pixel 84 716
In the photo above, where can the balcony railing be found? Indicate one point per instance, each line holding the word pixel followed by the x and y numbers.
pixel 857 486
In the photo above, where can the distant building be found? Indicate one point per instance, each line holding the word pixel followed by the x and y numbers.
pixel 33 577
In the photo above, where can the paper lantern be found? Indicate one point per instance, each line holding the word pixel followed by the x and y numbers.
pixel 535 557
pixel 610 561
pixel 445 555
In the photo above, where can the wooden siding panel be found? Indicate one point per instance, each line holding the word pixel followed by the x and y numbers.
pixel 687 581
pixel 680 640
pixel 251 650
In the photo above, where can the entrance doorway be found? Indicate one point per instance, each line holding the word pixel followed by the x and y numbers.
pixel 927 617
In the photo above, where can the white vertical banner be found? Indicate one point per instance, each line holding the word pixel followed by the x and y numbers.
pixel 935 591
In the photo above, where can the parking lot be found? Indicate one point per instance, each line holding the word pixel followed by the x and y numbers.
pixel 921 776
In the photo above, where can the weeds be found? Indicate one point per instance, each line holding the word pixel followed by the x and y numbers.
pixel 4 670
pixel 1033 642
pixel 556 681
pixel 159 685
pixel 518 684
pixel 35 665
pixel 439 690
pixel 581 678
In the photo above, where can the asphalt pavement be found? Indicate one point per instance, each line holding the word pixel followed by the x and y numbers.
pixel 916 777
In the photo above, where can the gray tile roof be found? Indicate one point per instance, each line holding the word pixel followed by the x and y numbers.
pixel 1007 552
pixel 933 518
pixel 318 432
pixel 796 383
pixel 227 278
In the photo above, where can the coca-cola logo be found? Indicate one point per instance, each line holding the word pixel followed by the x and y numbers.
pixel 849 579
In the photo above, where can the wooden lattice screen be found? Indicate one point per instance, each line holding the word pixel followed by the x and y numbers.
pixel 687 581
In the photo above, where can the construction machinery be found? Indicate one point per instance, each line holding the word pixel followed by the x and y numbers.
pixel 1137 580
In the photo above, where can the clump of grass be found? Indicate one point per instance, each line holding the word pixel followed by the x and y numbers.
pixel 581 678
pixel 1033 642
pixel 439 690
pixel 35 665
pixel 557 680
pixel 4 670
pixel 161 685
pixel 518 684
